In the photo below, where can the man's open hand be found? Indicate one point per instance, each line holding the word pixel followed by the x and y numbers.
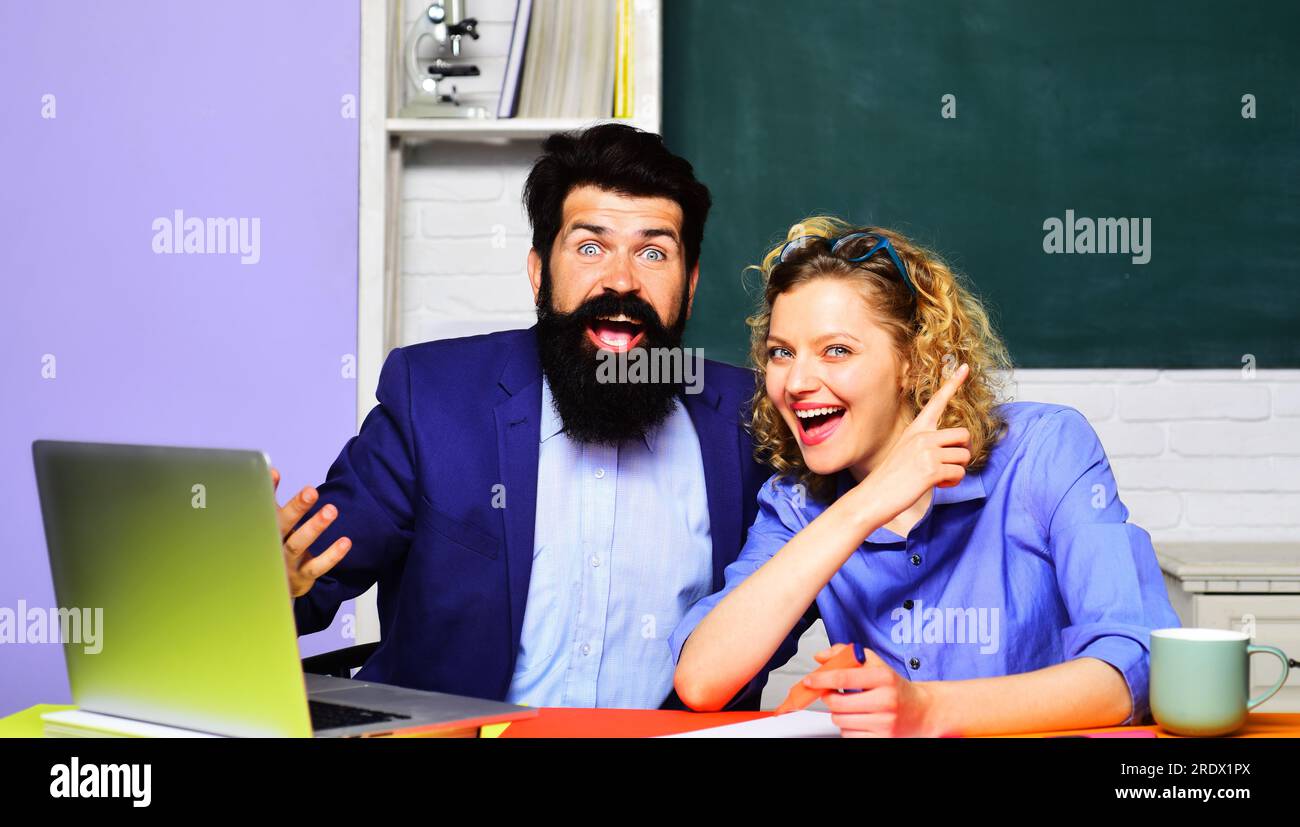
pixel 303 568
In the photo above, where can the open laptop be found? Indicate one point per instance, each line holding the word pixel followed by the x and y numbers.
pixel 181 549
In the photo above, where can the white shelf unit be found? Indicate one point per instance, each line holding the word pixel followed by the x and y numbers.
pixel 507 129
pixel 383 140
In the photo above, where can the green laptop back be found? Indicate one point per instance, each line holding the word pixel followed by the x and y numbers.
pixel 180 549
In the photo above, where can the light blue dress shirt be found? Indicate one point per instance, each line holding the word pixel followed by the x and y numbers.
pixel 1028 562
pixel 621 551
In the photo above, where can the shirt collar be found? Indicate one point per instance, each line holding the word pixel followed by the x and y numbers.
pixel 649 437
pixel 971 487
pixel 552 424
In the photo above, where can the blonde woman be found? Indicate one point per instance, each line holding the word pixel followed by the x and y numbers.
pixel 976 550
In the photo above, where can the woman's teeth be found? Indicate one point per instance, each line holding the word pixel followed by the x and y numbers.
pixel 811 412
pixel 817 424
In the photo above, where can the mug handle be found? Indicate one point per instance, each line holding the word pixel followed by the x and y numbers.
pixel 1286 669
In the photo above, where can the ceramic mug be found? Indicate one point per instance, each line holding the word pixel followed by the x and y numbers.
pixel 1200 679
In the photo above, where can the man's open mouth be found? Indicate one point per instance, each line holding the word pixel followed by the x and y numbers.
pixel 618 333
pixel 817 423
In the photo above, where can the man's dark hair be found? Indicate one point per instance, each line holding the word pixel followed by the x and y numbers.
pixel 616 158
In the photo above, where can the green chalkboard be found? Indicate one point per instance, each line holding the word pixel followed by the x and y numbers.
pixel 1109 109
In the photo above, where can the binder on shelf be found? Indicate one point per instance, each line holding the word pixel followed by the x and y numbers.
pixel 509 102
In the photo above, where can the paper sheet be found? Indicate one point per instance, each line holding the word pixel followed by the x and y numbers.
pixel 806 723
pixel 94 724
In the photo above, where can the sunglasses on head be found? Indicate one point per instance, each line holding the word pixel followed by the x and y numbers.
pixel 875 244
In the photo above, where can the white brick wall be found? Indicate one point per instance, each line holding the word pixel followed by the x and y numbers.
pixel 1198 454
pixel 465 239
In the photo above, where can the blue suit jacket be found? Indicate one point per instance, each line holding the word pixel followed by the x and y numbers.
pixel 415 490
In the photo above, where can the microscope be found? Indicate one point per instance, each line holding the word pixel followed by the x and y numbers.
pixel 435 94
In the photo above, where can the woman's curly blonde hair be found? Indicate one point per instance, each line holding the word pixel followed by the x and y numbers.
pixel 936 330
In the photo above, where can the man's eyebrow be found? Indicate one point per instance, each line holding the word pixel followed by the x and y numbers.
pixel 661 232
pixel 591 228
pixel 649 232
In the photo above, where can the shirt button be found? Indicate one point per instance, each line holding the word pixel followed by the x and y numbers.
pixel 600 473
pixel 595 561
pixel 916 559
pixel 907 604
pixel 915 663
pixel 586 649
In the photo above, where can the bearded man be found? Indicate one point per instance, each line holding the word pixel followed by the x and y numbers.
pixel 537 530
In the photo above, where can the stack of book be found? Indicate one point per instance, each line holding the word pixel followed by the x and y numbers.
pixel 569 59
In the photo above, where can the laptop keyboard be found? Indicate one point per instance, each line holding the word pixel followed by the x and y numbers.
pixel 336 716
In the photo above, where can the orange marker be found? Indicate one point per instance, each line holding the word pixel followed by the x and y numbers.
pixel 801 696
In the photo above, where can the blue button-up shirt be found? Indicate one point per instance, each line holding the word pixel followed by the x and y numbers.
pixel 1027 562
pixel 621 551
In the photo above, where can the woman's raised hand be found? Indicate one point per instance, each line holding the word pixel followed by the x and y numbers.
pixel 923 457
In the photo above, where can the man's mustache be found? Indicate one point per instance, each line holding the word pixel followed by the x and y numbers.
pixel 633 307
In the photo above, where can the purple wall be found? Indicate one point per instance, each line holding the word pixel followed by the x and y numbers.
pixel 222 110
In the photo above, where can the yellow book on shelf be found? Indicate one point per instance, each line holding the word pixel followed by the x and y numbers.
pixel 623 62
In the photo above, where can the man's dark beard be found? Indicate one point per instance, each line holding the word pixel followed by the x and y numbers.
pixel 603 412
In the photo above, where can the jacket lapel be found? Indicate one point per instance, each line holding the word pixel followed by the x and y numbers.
pixel 720 452
pixel 518 423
